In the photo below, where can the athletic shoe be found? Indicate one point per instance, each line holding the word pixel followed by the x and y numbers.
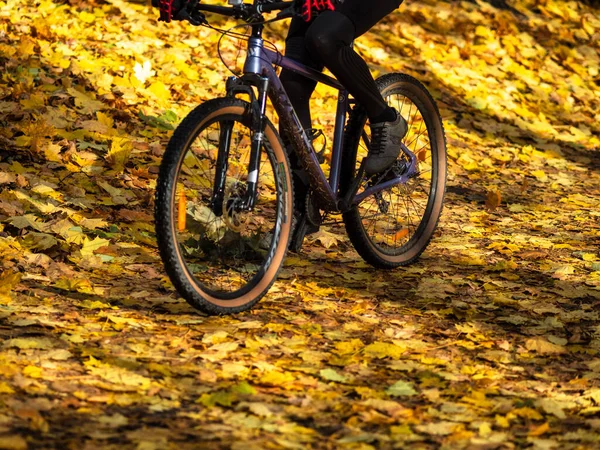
pixel 386 138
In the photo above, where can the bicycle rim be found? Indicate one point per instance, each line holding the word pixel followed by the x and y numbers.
pixel 397 223
pixel 217 253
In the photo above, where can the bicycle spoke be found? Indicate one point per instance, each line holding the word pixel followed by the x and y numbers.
pixel 417 136
pixel 405 204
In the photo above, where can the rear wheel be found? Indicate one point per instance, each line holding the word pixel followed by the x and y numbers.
pixel 394 226
pixel 222 256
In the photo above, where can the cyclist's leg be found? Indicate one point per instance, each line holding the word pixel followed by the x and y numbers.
pixel 330 36
pixel 299 89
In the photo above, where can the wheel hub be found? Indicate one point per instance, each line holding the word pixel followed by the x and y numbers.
pixel 233 208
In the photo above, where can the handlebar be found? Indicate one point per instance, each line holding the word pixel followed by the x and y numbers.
pixel 246 11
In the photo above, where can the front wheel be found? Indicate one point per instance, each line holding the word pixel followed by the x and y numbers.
pixel 221 255
pixel 394 226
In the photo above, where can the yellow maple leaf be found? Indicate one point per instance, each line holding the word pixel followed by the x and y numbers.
pixel 35 101
pixel 85 102
pixel 7 50
pixel 276 378
pixel 8 280
pixel 346 347
pixel 26 46
pixel 52 152
pixel 119 376
pixel 563 271
pixel 467 162
pixel 105 119
pixel 540 175
pixel 143 71
pixel 5 388
pixel 32 372
pixel 384 350
pixel 160 91
pixel 90 246
pixel 119 152
pixel 525 412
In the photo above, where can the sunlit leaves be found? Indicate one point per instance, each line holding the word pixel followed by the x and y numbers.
pixel 490 339
pixel 143 71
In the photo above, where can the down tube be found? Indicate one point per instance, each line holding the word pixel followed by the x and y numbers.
pixel 293 129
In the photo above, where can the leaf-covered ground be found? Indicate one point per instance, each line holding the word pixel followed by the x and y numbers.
pixel 491 340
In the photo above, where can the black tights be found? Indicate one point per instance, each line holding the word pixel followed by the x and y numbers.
pixel 326 41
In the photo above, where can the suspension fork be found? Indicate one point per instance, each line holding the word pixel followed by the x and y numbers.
pixel 259 123
pixel 257 126
pixel 221 168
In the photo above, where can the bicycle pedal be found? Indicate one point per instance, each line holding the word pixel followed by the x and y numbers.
pixel 301 229
pixel 312 212
pixel 395 171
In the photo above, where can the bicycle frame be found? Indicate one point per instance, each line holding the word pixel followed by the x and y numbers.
pixel 259 71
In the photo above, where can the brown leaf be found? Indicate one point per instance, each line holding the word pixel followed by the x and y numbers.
pixel 544 347
pixel 493 200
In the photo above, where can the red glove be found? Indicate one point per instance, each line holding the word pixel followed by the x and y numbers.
pixel 170 9
pixel 315 5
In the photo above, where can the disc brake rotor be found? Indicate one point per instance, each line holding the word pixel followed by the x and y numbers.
pixel 233 216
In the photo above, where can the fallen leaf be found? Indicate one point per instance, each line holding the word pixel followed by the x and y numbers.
pixel 544 347
pixel 401 389
pixel 332 375
pixel 493 200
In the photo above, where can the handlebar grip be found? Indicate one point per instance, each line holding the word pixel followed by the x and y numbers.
pixel 268 7
pixel 223 10
pixel 229 11
pixel 286 13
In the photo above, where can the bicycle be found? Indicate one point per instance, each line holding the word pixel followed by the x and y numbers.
pixel 224 201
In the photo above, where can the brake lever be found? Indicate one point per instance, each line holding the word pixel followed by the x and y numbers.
pixel 197 18
pixel 192 14
pixel 286 13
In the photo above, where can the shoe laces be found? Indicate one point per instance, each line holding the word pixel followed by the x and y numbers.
pixel 379 137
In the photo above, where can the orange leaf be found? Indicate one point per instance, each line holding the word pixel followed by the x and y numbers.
pixel 401 234
pixel 181 212
pixel 538 431
pixel 422 155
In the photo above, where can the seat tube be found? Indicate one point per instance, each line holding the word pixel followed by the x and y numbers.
pixel 338 140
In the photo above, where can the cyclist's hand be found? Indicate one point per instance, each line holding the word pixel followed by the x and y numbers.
pixel 179 10
pixel 309 6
